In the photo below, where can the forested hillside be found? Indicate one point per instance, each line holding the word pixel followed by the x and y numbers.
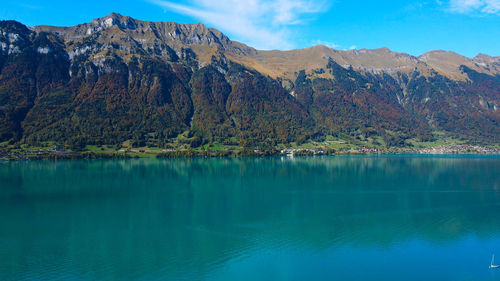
pixel 119 80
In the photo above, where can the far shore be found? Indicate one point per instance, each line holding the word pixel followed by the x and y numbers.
pixel 61 153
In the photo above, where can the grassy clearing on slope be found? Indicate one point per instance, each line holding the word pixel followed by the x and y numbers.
pixel 441 139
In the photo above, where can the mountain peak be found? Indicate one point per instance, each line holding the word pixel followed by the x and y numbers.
pixel 321 46
pixel 115 19
pixel 449 63
pixel 441 53
pixel 383 49
pixel 486 58
pixel 129 33
pixel 114 15
pixel 481 55
pixel 14 26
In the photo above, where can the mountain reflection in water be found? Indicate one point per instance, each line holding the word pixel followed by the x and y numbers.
pixel 318 218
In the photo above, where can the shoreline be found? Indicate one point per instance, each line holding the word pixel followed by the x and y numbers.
pixel 64 154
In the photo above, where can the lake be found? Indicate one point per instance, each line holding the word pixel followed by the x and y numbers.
pixel 402 217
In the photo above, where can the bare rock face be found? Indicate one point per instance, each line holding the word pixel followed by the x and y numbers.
pixel 117 78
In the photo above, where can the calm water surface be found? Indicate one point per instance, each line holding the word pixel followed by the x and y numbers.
pixel 317 218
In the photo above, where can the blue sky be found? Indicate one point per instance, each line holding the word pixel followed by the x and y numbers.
pixel 468 27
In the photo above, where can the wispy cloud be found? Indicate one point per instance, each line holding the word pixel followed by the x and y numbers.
pixel 332 45
pixel 259 23
pixel 475 6
pixel 326 43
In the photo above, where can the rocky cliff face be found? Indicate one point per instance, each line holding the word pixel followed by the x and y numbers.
pixel 117 78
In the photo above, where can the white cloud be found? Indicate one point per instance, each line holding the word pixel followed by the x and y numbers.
pixel 333 45
pixel 263 24
pixel 475 6
pixel 326 43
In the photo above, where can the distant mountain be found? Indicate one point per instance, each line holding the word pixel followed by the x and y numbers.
pixel 119 79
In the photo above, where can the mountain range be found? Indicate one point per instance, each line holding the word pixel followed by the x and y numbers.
pixel 118 79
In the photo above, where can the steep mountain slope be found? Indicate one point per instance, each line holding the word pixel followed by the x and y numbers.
pixel 117 79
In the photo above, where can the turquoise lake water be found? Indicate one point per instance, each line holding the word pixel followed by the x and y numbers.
pixel 311 218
